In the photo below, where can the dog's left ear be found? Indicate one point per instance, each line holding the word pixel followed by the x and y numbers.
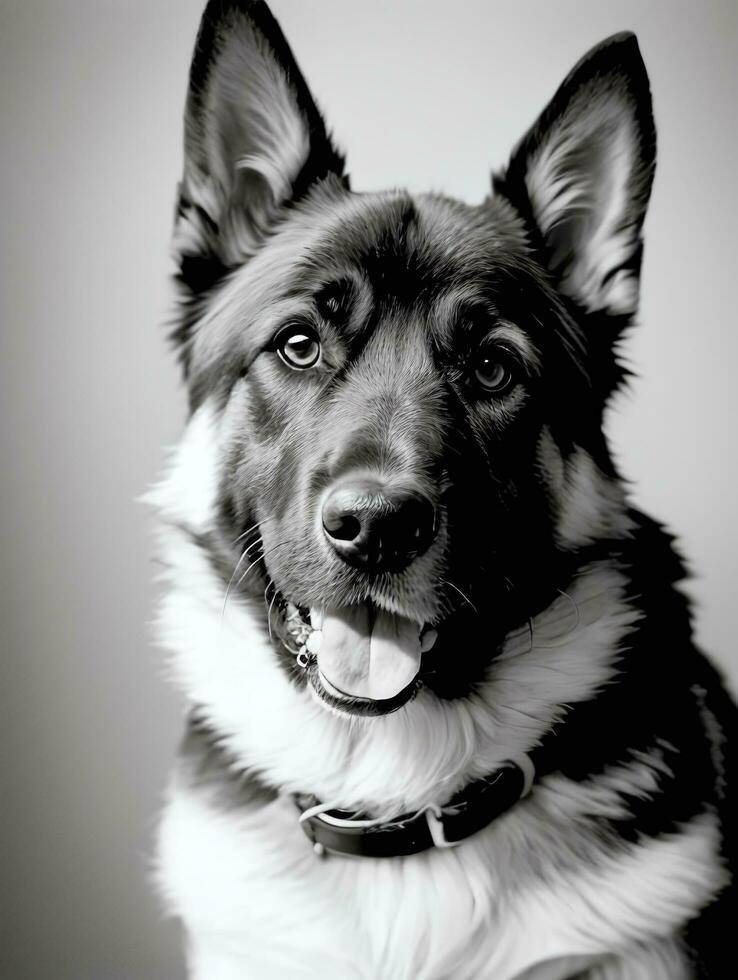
pixel 582 177
pixel 254 141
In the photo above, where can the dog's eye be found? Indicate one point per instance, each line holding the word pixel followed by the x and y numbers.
pixel 298 346
pixel 491 372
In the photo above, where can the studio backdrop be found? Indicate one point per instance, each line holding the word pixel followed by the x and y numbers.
pixel 422 94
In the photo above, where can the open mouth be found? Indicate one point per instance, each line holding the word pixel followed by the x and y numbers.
pixel 359 659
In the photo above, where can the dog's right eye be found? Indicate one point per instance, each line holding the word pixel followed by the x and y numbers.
pixel 490 371
pixel 298 345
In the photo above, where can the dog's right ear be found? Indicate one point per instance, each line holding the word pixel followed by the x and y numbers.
pixel 254 141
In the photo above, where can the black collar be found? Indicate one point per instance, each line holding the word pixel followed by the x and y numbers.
pixel 343 832
pixel 469 811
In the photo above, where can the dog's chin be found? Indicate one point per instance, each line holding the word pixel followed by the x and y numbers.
pixel 347 704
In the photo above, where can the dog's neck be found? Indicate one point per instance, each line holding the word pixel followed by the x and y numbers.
pixel 204 763
pixel 226 665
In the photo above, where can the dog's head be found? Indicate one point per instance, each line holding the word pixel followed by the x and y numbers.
pixel 403 395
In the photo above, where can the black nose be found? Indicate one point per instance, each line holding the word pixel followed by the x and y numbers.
pixel 378 527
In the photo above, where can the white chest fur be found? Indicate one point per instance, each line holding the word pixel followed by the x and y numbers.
pixel 535 887
pixel 258 903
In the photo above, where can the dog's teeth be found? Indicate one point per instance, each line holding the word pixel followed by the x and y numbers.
pixel 316 618
pixel 427 640
pixel 314 641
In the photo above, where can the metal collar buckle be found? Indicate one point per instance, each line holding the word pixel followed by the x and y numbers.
pixel 434 819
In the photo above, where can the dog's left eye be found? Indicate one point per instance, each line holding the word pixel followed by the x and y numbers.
pixel 298 346
pixel 491 372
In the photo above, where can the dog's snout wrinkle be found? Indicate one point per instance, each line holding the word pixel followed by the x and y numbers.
pixel 378 525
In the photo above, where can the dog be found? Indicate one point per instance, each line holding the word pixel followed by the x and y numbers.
pixel 447 719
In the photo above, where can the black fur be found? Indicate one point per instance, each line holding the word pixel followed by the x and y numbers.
pixel 396 384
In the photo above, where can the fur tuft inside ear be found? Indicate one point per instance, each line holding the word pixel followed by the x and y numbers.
pixel 582 177
pixel 254 141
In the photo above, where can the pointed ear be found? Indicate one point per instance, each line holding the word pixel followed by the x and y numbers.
pixel 582 177
pixel 254 141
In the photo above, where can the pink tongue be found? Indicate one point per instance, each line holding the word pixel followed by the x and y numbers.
pixel 368 653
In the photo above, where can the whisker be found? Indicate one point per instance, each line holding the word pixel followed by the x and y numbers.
pixel 253 527
pixel 466 599
pixel 252 565
pixel 245 553
pixel 240 581
pixel 253 545
pixel 247 531
pixel 276 547
pixel 271 604
pixel 230 583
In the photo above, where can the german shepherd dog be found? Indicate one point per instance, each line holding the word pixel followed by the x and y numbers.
pixel 447 718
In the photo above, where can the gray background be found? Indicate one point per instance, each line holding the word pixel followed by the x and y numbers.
pixel 426 94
